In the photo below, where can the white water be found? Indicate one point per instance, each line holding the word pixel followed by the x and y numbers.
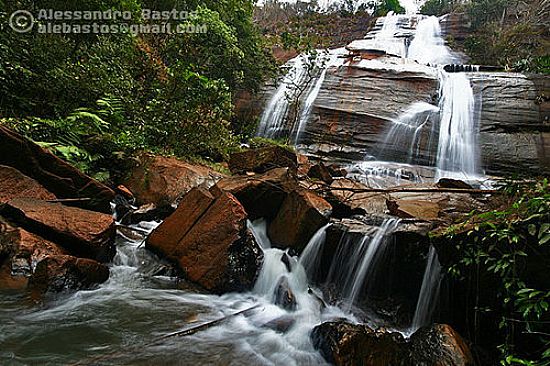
pixel 325 61
pixel 406 129
pixel 427 299
pixel 273 117
pixel 458 149
pixel 428 46
pixel 356 260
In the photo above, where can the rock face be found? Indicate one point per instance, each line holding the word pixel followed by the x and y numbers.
pixel 263 194
pixel 14 184
pixel 64 272
pixel 207 237
pixel 52 173
pixel 342 343
pixel 163 181
pixel 301 215
pixel 83 233
pixel 262 160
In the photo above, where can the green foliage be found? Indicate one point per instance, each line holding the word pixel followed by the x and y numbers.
pixel 95 98
pixel 437 7
pixel 385 6
pixel 509 33
pixel 510 243
pixel 259 142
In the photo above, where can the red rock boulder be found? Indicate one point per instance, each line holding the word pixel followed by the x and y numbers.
pixel 163 181
pixel 81 232
pixel 52 173
pixel 207 237
pixel 14 184
pixel 263 159
pixel 301 215
pixel 65 272
pixel 261 194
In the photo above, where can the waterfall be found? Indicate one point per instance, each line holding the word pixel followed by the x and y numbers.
pixel 273 117
pixel 427 300
pixel 326 61
pixel 428 46
pixel 311 256
pixel 458 150
pixel 356 259
pixel 406 128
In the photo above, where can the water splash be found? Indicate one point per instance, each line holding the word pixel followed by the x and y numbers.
pixel 427 299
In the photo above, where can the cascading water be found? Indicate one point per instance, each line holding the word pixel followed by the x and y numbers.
pixel 406 129
pixel 273 117
pixel 458 150
pixel 356 259
pixel 428 46
pixel 427 299
pixel 332 59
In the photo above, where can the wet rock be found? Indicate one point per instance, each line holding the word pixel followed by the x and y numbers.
pixel 417 209
pixel 439 345
pixel 337 171
pixel 284 297
pixel 303 164
pixel 64 272
pixel 163 181
pixel 149 212
pixel 286 261
pixel 342 343
pixel 83 233
pixel 14 184
pixel 321 172
pixel 52 173
pixel 262 160
pixel 207 237
pixel 263 194
pixel 453 183
pixel 280 325
pixel 125 192
pixel 301 215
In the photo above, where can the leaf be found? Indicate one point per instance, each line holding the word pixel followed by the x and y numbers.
pixel 532 228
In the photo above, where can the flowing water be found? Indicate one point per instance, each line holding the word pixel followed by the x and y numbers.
pixel 428 46
pixel 427 299
pixel 120 323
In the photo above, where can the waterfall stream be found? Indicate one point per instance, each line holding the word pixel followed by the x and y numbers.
pixel 427 299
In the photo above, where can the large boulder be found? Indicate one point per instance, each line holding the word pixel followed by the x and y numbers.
pixel 302 214
pixel 14 184
pixel 207 237
pixel 83 233
pixel 164 180
pixel 52 173
pixel 342 343
pixel 440 345
pixel 64 272
pixel 262 160
pixel 261 194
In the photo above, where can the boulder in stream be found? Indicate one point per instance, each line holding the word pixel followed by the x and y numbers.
pixel 321 172
pixel 14 184
pixel 343 343
pixel 302 214
pixel 52 173
pixel 262 160
pixel 83 233
pixel 65 272
pixel 284 297
pixel 207 237
pixel 164 180
pixel 261 194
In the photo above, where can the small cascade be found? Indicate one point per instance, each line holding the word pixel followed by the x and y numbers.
pixel 356 260
pixel 275 113
pixel 427 300
pixel 311 256
pixel 331 59
pixel 428 46
pixel 405 131
pixel 458 150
